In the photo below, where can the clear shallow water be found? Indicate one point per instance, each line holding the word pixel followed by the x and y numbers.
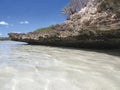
pixel 26 67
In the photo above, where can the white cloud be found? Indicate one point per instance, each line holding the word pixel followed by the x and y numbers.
pixel 16 32
pixel 3 23
pixel 24 22
pixel 0 34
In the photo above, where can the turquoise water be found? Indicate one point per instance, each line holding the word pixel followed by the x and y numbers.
pixel 26 67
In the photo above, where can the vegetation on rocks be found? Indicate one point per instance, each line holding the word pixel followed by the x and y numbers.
pixel 43 29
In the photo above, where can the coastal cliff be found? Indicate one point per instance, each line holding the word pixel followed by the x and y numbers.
pixel 96 25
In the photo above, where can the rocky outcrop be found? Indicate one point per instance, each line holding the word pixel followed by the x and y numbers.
pixel 97 15
pixel 96 25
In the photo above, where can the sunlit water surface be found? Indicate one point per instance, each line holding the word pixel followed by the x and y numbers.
pixel 27 67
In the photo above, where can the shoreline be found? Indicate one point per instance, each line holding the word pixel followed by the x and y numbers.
pixel 98 40
pixel 4 38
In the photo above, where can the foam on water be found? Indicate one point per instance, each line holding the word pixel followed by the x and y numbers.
pixel 26 67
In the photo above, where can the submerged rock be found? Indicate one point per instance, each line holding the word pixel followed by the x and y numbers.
pixel 96 25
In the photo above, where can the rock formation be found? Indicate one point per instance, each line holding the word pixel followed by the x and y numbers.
pixel 96 25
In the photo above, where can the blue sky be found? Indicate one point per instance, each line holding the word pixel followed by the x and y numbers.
pixel 28 15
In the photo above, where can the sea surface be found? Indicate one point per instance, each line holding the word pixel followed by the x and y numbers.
pixel 27 67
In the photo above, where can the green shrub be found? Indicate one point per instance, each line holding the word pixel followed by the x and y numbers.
pixel 43 29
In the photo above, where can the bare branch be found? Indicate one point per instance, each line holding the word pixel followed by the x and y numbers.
pixel 74 6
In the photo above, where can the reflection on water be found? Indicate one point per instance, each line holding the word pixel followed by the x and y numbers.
pixel 26 67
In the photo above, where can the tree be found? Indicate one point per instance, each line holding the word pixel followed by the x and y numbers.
pixel 74 6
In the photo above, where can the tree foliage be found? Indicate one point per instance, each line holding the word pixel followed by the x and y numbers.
pixel 74 6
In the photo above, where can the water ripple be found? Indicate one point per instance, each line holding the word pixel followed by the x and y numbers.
pixel 26 67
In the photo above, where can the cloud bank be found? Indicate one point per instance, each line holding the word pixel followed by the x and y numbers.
pixel 3 23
